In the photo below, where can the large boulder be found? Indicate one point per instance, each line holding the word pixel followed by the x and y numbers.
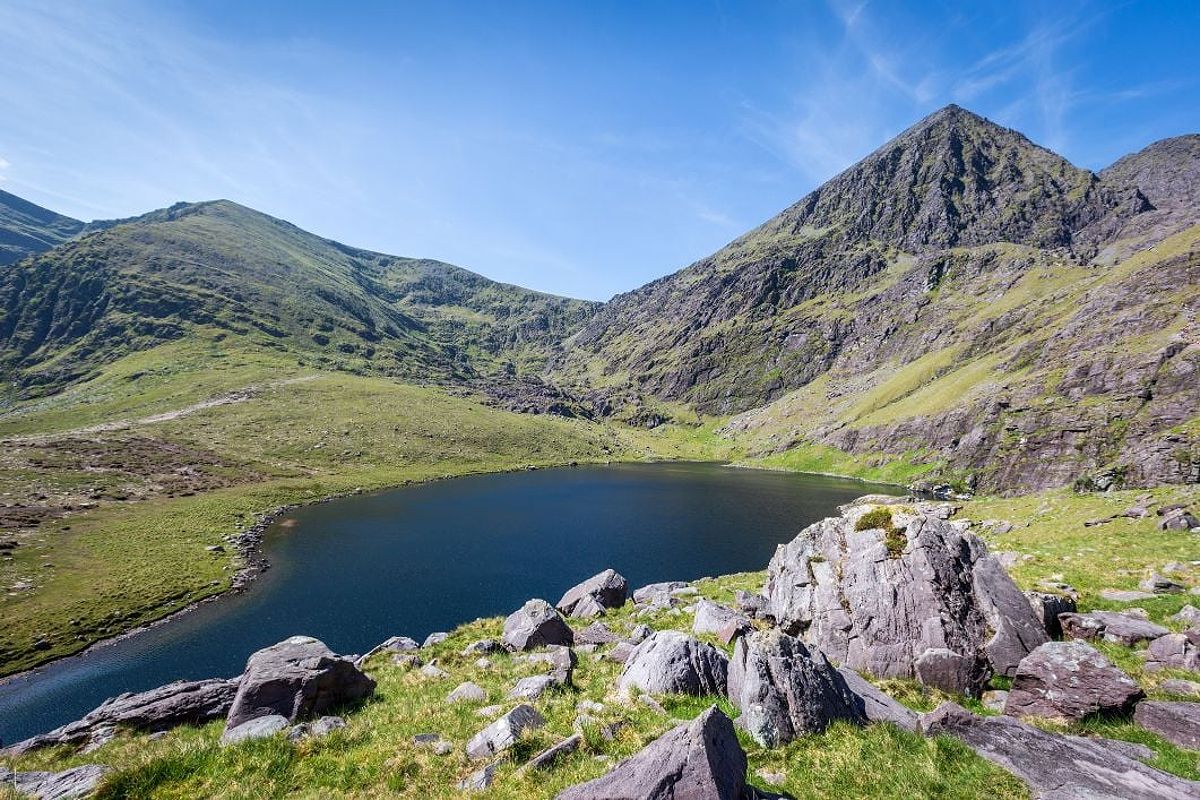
pixel 1174 651
pixel 504 732
pixel 1069 680
pixel 1058 767
pixel 536 624
pixel 1177 722
pixel 1111 626
pixel 716 619
pixel 178 703
pixel 670 662
pixel 784 691
pixel 595 596
pixel 299 677
pixel 698 760
pixel 878 600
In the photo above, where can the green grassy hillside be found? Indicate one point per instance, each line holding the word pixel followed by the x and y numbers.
pixel 26 229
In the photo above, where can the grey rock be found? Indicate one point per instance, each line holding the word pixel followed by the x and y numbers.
pixel 299 677
pixel 169 706
pixel 394 644
pixel 1111 626
pixel 593 597
pixel 535 624
pixel 436 637
pixel 951 672
pixel 1047 606
pixel 1178 520
pixel 71 783
pixel 504 732
pixel 697 760
pixel 1069 680
pixel 531 688
pixel 1177 722
pixel 488 711
pixel 316 729
pixel 255 728
pixel 482 647
pixel 942 592
pixel 596 633
pixel 434 672
pixel 467 692
pixel 479 780
pixel 546 758
pixel 1058 767
pixel 650 593
pixel 784 691
pixel 620 652
pixel 407 661
pixel 639 634
pixel 1173 651
pixel 751 604
pixel 714 618
pixel 1179 686
pixel 1159 584
pixel 670 662
pixel 877 705
pixel 1188 615
pixel 995 700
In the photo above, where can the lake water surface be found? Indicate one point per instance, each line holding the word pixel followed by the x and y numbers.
pixel 424 558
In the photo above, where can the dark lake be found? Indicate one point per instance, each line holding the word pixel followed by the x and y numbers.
pixel 425 558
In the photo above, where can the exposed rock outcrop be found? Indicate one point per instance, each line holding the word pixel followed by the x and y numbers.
pixel 504 732
pixel 1047 606
pixel 1059 767
pixel 1069 680
pixel 178 703
pixel 877 705
pixel 698 760
pixel 595 596
pixel 1111 626
pixel 299 677
pixel 536 624
pixel 784 691
pixel 66 785
pixel 670 662
pixel 1174 651
pixel 1178 723
pixel 921 600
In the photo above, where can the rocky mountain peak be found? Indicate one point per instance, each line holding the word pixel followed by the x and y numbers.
pixel 1166 172
pixel 953 179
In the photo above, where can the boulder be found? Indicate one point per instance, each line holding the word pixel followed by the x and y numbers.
pixel 531 688
pixel 1123 596
pixel 1069 680
pixel 952 672
pixel 1179 686
pixel 1173 651
pixel 255 728
pixel 1111 626
pixel 1178 520
pixel 1047 606
pixel 657 593
pixel 596 633
pixel 1188 615
pixel 1177 722
pixel 1160 584
pixel 784 691
pixel 479 780
pixel 697 760
pixel 877 705
pixel 178 703
pixel 316 729
pixel 560 659
pixel 504 732
pixel 595 595
pixel 750 604
pixel 437 637
pixel 670 662
pixel 714 618
pixel 1058 767
pixel 535 624
pixel 66 785
pixel 467 692
pixel 876 606
pixel 393 644
pixel 299 677
pixel 546 758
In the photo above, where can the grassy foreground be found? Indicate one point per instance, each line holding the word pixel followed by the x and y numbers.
pixel 132 475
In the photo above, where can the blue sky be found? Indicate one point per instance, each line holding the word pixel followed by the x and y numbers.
pixel 581 148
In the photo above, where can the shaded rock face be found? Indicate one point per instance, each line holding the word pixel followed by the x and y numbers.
pixel 670 662
pixel 299 677
pixel 1111 626
pixel 1178 723
pixel 1069 680
pixel 595 595
pixel 783 690
pixel 884 612
pixel 875 704
pixel 1059 767
pixel 1047 606
pixel 178 703
pixel 536 624
pixel 698 760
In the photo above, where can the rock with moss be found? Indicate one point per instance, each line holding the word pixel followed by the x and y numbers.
pixel 902 612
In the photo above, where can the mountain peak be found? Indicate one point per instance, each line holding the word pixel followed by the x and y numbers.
pixel 953 178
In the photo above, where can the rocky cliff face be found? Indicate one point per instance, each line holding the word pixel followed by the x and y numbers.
pixel 961 298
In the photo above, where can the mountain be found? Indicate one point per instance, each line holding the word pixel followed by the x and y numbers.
pixel 961 300
pixel 26 229
pixel 229 271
